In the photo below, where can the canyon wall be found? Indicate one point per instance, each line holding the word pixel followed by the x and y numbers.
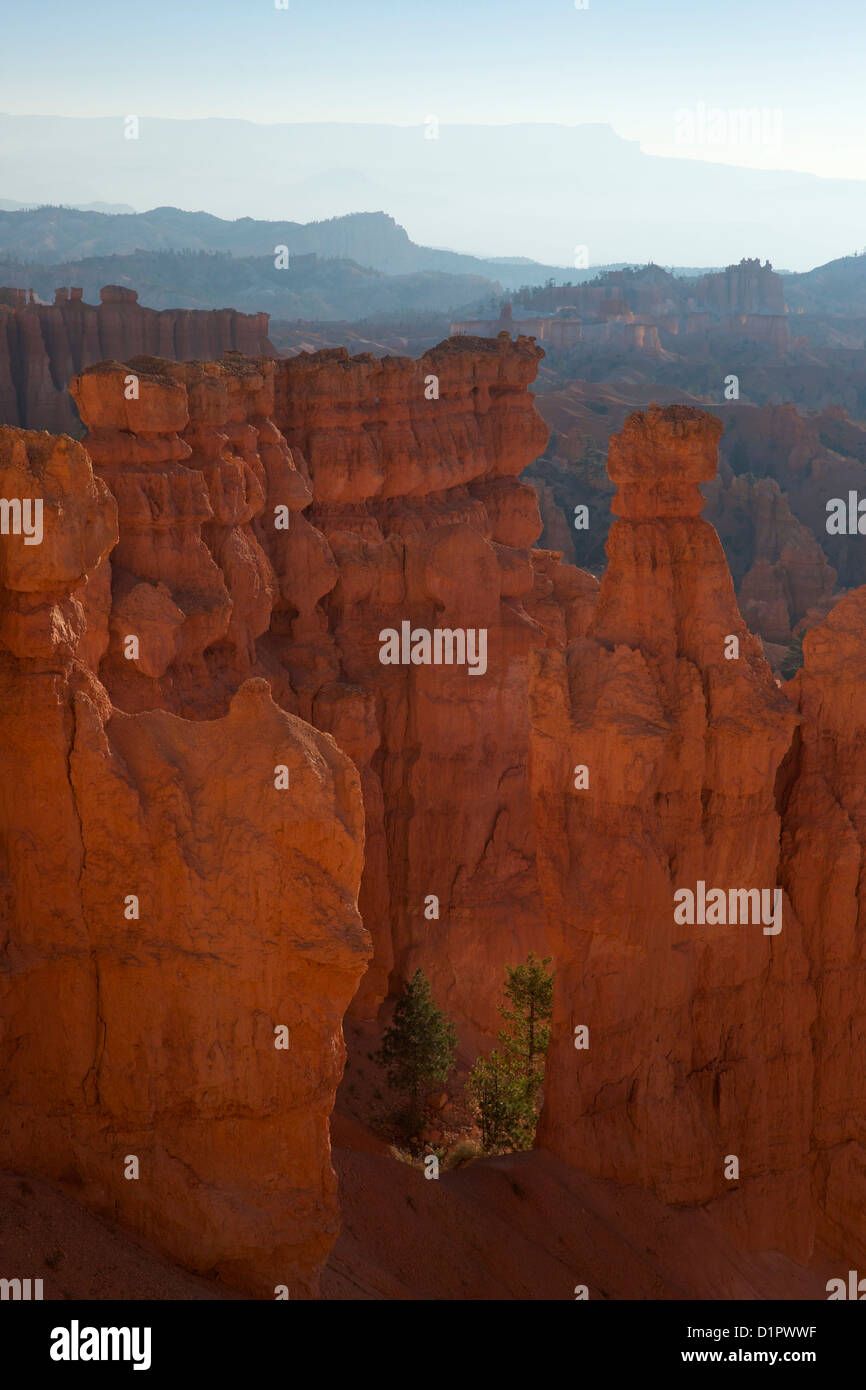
pixel 782 577
pixel 397 482
pixel 813 457
pixel 823 857
pixel 420 503
pixel 42 346
pixel 167 907
pixel 182 850
pixel 221 648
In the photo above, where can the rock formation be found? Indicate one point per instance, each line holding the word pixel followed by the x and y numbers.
pixel 747 288
pixel 766 503
pixel 196 465
pixel 247 745
pixel 822 859
pixel 814 458
pixel 780 571
pixel 647 311
pixel 42 346
pixel 167 907
pixel 698 1034
pixel 400 480
pixel 419 501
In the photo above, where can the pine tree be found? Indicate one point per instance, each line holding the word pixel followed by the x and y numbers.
pixel 529 990
pixel 499 1095
pixel 506 1086
pixel 418 1047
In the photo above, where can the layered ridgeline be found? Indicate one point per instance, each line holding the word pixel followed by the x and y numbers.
pixel 294 663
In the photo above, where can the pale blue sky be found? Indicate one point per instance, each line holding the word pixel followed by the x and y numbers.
pixel 631 63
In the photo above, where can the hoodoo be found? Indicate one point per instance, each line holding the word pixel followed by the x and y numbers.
pixel 700 1042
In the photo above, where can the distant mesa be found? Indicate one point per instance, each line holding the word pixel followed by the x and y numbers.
pixel 641 309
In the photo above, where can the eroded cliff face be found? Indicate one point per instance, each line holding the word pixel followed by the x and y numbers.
pixel 814 458
pixel 413 468
pixel 199 472
pixel 821 790
pixel 43 345
pixel 782 577
pixel 699 1035
pixel 749 288
pixel 276 519
pixel 292 535
pixel 168 905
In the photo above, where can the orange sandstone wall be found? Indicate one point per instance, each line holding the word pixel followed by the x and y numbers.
pixel 165 909
pixel 275 520
pixel 398 479
pixel 413 467
pixel 42 346
pixel 823 855
pixel 705 1040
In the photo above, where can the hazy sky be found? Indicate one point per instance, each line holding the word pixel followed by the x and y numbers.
pixel 631 63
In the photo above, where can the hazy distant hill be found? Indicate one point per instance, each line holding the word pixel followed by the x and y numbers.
pixel 54 234
pixel 324 290
pixel 836 288
pixel 536 190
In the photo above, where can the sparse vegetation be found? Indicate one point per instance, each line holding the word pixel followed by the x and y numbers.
pixel 506 1087
pixel 417 1049
pixel 503 1103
